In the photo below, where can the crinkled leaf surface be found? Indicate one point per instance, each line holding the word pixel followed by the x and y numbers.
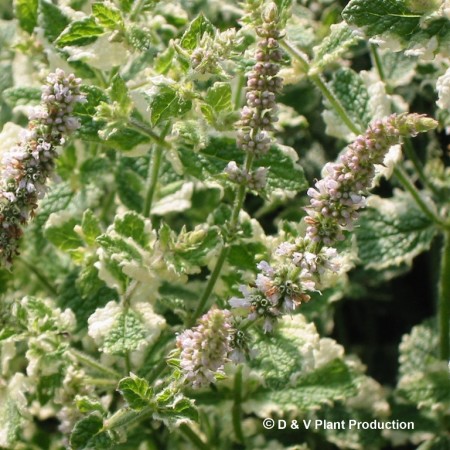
pixel 391 232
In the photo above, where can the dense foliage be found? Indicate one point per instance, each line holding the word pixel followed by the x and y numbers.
pixel 215 213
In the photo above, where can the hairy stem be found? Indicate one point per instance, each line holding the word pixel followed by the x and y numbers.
pixel 377 62
pixel 144 129
pixel 193 437
pixel 444 300
pixel 415 194
pixel 126 416
pixel 137 7
pixel 93 364
pixel 239 201
pixel 152 179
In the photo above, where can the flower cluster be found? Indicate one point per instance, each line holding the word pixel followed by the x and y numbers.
pixel 204 348
pixel 211 51
pixel 263 83
pixel 303 266
pixel 313 265
pixel 255 180
pixel 339 195
pixel 260 112
pixel 276 291
pixel 24 169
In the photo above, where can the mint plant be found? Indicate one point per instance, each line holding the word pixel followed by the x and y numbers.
pixel 193 194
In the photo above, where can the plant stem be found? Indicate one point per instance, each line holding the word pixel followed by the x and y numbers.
pixel 444 300
pixel 91 362
pixel 187 431
pixel 335 103
pixel 237 409
pixel 377 60
pixel 100 382
pixel 409 186
pixel 299 56
pixel 239 201
pixel 210 285
pixel 136 9
pixel 144 129
pixel 40 276
pixel 153 179
pixel 126 416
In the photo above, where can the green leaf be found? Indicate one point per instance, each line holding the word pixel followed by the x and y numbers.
pixel 10 418
pixel 94 167
pixel 188 250
pixel 192 36
pixel 90 226
pixel 430 389
pixel 136 391
pixel 86 404
pixel 22 96
pixel 380 16
pixel 173 407
pixel 419 349
pixel 398 69
pixel 131 225
pixel 163 61
pixel 117 245
pixel 87 434
pixel 392 232
pixel 83 292
pixel 218 96
pixel 140 38
pixel 80 32
pixel 130 182
pixel 284 173
pixel 51 19
pixel 167 103
pixel 351 91
pixel 107 16
pixel 243 256
pixel 63 235
pixel 85 111
pixel 127 335
pixel 26 12
pixel 118 92
pixel 332 382
pixel 333 47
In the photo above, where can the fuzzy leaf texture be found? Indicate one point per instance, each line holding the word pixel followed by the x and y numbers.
pixel 80 32
pixel 334 46
pixel 351 91
pixel 392 232
pixel 301 370
pixel 126 335
pixel 87 434
pixel 136 391
pixel 380 16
